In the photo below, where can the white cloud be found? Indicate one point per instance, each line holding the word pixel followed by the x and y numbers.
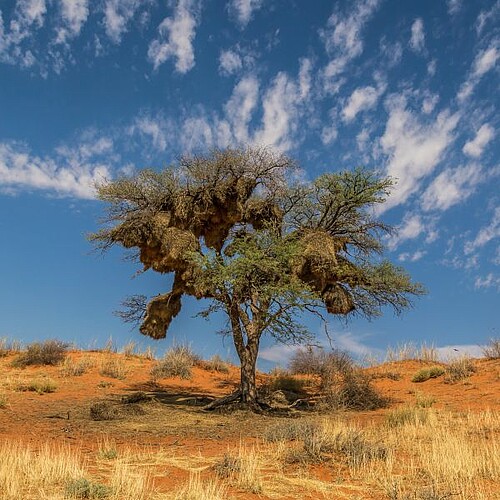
pixel 362 99
pixel 485 235
pixel 417 40
pixel 489 281
pixel 483 62
pixel 486 15
pixel 156 129
pixel 176 35
pixel 476 146
pixel 77 177
pixel 412 257
pixel 241 105
pixel 410 228
pixel 452 186
pixel 74 14
pixel 244 10
pixel 281 105
pixel 414 148
pixel 429 103
pixel 279 353
pixel 229 62
pixel 450 352
pixel 28 16
pixel 342 39
pixel 118 14
pixel 454 6
pixel 431 67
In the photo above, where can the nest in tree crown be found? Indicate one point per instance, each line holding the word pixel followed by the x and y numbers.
pixel 159 314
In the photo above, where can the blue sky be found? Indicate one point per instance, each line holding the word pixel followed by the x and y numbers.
pixel 93 89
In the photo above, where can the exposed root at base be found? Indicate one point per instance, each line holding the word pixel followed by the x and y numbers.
pixel 234 402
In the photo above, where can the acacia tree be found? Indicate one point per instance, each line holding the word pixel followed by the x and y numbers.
pixel 235 226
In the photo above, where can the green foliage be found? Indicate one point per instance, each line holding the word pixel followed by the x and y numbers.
pixel 83 488
pixel 428 373
pixel 48 352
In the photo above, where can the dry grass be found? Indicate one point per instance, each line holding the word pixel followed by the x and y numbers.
pixel 40 385
pixel 492 349
pixel 177 362
pixel 409 350
pixel 75 368
pixel 459 369
pixel 216 364
pixel 113 367
pixel 421 454
pixel 427 373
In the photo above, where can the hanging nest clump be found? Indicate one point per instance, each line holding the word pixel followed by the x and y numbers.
pixel 259 212
pixel 318 259
pixel 337 299
pixel 321 266
pixel 159 314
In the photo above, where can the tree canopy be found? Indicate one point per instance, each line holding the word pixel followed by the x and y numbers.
pixel 242 228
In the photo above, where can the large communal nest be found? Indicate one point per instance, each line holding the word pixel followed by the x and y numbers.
pixel 159 314
pixel 322 267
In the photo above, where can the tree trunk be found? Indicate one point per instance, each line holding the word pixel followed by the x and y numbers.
pixel 248 361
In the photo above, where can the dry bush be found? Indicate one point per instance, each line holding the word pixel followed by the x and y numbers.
pixel 130 349
pixel 492 349
pixel 428 373
pixel 72 368
pixel 288 431
pixel 39 385
pixel 216 364
pixel 353 391
pixel 315 361
pixel 228 466
pixel 386 374
pixel 9 346
pixel 114 368
pixel 197 489
pixel 3 401
pixel 177 362
pixel 288 383
pixel 103 410
pixel 48 352
pixel 459 369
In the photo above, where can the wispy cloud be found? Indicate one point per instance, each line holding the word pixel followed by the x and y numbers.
pixel 117 16
pixel 484 61
pixel 414 147
pixel 452 186
pixel 417 40
pixel 72 172
pixel 485 234
pixel 475 147
pixel 410 228
pixel 488 281
pixel 175 37
pixel 362 99
pixel 243 10
pixel 454 7
pixel 74 14
pixel 411 256
pixel 343 40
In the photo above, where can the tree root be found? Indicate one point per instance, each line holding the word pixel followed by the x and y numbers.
pixel 234 401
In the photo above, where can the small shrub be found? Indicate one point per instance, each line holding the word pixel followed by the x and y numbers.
pixel 424 401
pixel 3 401
pixel 40 386
pixel 103 410
pixel 353 392
pixel 284 382
pixel 177 362
pixel 72 368
pixel 130 349
pixel 353 444
pixel 7 347
pixel 103 384
pixel 492 349
pixel 114 368
pixel 83 488
pixel 315 361
pixel 228 466
pixel 428 373
pixel 48 352
pixel 217 364
pixel 407 415
pixel 459 369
